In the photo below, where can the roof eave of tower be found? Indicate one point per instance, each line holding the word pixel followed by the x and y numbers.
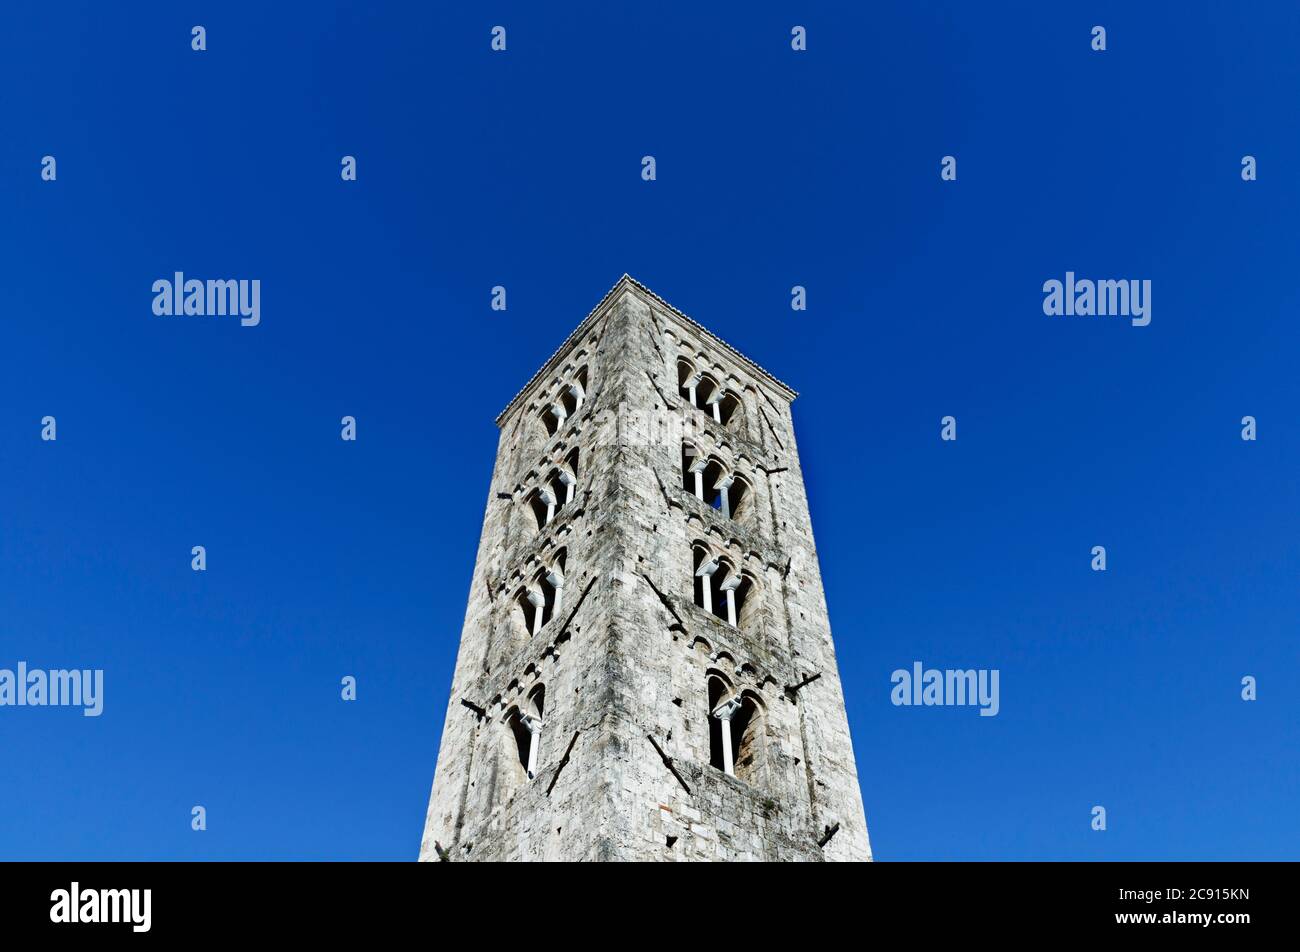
pixel 628 281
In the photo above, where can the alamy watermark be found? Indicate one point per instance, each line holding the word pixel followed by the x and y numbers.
pixel 212 298
pixel 129 906
pixel 1083 297
pixel 57 687
pixel 931 687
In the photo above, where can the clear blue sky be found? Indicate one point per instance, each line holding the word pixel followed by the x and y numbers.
pixel 821 168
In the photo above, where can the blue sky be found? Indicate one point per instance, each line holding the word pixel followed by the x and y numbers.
pixel 775 168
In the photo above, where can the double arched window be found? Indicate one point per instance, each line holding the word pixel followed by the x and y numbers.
pixel 735 728
pixel 525 725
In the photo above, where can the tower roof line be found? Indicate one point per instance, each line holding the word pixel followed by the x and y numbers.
pixel 628 281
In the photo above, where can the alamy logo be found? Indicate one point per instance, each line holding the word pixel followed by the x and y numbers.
pixel 103 905
pixel 951 687
pixel 1088 298
pixel 54 688
pixel 212 298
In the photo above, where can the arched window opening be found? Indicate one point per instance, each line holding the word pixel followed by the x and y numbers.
pixel 529 604
pixel 542 501
pixel 575 393
pixel 704 392
pixel 710 483
pixel 526 730
pixel 560 486
pixel 692 470
pixel 725 406
pixel 571 463
pixel 722 591
pixel 687 378
pixel 723 596
pixel 571 399
pixel 747 737
pixel 553 418
pixel 729 724
pixel 544 595
pixel 551 584
pixel 533 722
pixel 736 498
pixel 748 603
pixel 523 738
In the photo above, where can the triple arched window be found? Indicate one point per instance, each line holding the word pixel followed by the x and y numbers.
pixel 703 391
pixel 720 588
pixel 714 484
pixel 539 601
pixel 558 489
pixel 566 403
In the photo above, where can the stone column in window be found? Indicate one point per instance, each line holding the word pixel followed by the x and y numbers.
pixel 724 498
pixel 724 712
pixel 698 469
pixel 538 603
pixel 715 404
pixel 557 582
pixel 729 586
pixel 705 571
pixel 534 726
pixel 690 389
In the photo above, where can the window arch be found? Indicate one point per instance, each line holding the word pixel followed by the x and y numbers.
pixel 714 474
pixel 703 391
pixel 574 393
pixel 713 484
pixel 746 602
pixel 706 388
pixel 724 407
pixel 737 497
pixel 521 737
pixel 736 734
pixel 560 486
pixel 726 583
pixel 553 418
pixel 571 464
pixel 721 589
pixel 693 462
pixel 748 739
pixel 568 401
pixel 686 380
pixel 698 387
pixel 526 729
pixel 543 503
pixel 529 610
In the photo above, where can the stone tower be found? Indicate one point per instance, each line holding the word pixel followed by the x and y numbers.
pixel 646 669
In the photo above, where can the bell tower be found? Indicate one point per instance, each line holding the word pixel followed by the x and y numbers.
pixel 646 669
